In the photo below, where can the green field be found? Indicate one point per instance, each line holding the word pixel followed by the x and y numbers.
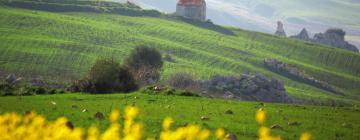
pixel 61 47
pixel 324 123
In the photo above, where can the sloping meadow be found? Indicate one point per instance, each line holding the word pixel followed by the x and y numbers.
pixel 62 46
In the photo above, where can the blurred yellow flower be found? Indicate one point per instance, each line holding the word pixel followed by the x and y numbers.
pixel 220 133
pixel 35 127
pixel 260 116
pixel 167 123
pixel 306 136
pixel 114 116
pixel 131 112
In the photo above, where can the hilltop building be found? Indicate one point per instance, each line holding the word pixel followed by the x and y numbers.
pixel 192 9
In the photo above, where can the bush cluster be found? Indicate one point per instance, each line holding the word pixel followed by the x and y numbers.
pixel 13 86
pixel 142 67
pixel 106 76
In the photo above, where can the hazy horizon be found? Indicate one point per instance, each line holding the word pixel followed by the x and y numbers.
pixel 262 15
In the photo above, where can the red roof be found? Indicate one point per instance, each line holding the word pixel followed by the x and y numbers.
pixel 191 2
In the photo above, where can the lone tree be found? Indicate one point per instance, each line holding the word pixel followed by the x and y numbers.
pixel 145 64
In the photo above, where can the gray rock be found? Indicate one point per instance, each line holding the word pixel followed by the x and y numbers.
pixel 303 35
pixel 248 87
pixel 99 115
pixel 334 38
pixel 231 137
pixel 229 95
pixel 10 79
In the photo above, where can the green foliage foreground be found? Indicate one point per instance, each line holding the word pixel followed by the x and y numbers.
pixel 288 121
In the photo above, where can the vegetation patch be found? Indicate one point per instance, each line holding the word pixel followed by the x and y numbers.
pixel 106 76
pixel 165 90
pixel 16 86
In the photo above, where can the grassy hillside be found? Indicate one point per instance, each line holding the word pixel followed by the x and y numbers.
pixel 62 46
pixel 324 123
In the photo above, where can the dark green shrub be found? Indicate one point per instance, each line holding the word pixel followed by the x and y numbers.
pixel 188 93
pixel 144 56
pixel 181 80
pixel 6 90
pixel 40 90
pixel 164 90
pixel 28 90
pixel 106 76
pixel 52 91
pixel 145 64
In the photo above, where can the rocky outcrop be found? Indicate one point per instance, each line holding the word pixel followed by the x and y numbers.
pixel 280 29
pixel 248 87
pixel 303 35
pixel 295 73
pixel 11 79
pixel 334 38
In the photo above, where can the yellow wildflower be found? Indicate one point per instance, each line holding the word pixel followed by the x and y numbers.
pixel 114 116
pixel 306 136
pixel 204 134
pixel 131 112
pixel 264 132
pixel 220 134
pixel 35 127
pixel 93 133
pixel 260 116
pixel 167 123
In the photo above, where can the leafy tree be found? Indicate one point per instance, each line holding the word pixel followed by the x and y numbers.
pixel 145 64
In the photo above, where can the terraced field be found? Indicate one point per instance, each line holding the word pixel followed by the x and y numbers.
pixel 61 46
pixel 59 40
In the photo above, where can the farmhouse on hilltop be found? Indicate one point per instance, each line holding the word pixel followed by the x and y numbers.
pixel 192 9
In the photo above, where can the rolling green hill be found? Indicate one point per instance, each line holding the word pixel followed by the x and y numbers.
pixel 61 46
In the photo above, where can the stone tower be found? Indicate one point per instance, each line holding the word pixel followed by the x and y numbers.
pixel 192 9
pixel 280 29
